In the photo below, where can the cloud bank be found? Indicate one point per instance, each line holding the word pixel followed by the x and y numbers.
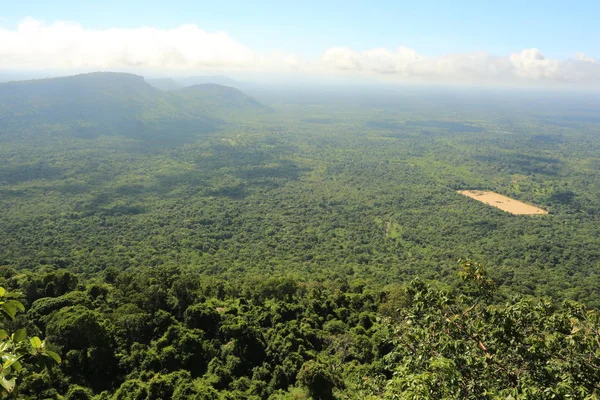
pixel 480 67
pixel 35 45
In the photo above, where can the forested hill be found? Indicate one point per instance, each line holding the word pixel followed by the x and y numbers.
pixel 106 103
pixel 219 100
pixel 88 97
pixel 168 84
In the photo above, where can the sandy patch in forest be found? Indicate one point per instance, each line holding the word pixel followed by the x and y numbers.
pixel 502 202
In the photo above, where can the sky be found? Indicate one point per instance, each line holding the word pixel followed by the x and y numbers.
pixel 460 41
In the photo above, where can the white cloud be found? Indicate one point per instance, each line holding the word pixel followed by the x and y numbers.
pixel 584 57
pixel 480 67
pixel 68 45
pixel 342 58
pixel 531 63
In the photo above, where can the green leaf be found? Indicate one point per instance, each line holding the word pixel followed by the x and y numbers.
pixel 3 334
pixel 9 359
pixel 19 335
pixel 19 305
pixel 36 342
pixel 17 367
pixel 2 292
pixel 53 356
pixel 8 384
pixel 11 307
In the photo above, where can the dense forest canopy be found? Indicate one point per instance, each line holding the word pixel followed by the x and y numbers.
pixel 198 242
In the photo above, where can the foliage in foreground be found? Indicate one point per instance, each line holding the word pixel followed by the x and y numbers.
pixel 464 347
pixel 165 333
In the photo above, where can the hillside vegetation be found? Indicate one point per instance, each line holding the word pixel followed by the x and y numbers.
pixel 198 243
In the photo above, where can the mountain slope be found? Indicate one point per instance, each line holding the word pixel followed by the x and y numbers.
pixel 203 79
pixel 90 105
pixel 223 101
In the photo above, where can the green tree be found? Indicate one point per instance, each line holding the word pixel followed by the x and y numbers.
pixel 84 337
pixel 319 379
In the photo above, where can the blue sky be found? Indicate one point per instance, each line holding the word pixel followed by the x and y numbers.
pixel 423 40
pixel 559 28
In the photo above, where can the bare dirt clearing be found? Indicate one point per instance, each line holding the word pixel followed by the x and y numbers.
pixel 502 202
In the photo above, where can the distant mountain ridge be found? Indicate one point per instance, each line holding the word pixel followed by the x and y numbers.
pixel 204 79
pixel 218 100
pixel 110 103
pixel 175 83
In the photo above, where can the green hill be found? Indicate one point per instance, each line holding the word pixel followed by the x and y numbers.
pixel 203 79
pixel 106 103
pixel 214 99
